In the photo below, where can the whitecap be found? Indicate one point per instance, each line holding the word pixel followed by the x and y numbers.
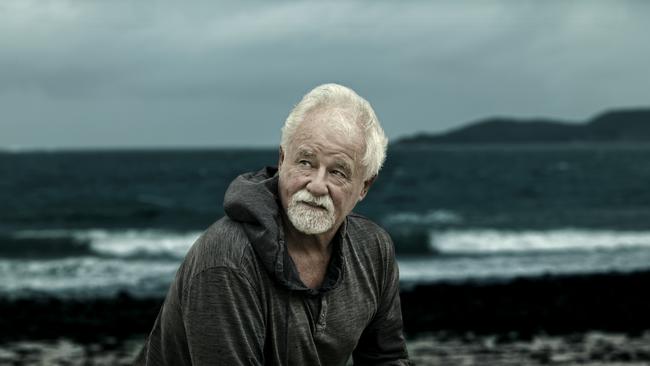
pixel 428 218
pixel 483 241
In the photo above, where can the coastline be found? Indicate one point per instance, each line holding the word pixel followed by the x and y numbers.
pixel 587 319
pixel 590 348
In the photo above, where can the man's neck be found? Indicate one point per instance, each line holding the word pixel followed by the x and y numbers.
pixel 310 253
pixel 312 244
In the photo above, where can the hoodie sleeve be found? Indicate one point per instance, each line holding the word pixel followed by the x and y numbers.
pixel 217 321
pixel 382 342
pixel 223 319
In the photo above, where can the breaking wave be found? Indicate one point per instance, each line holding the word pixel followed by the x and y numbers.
pixel 486 241
pixel 125 244
pixel 428 218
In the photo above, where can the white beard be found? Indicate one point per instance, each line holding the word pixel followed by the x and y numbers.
pixel 307 219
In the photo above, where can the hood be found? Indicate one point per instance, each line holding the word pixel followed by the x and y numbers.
pixel 252 200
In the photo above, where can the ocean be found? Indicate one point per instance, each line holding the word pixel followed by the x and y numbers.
pixel 98 223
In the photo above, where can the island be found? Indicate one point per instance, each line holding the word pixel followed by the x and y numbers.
pixel 629 125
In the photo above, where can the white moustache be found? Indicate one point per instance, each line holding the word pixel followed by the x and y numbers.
pixel 304 196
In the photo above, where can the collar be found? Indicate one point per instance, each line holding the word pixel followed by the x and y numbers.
pixel 335 268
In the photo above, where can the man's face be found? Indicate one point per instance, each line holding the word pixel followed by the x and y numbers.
pixel 320 174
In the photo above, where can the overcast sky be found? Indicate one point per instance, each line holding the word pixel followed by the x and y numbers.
pixel 155 73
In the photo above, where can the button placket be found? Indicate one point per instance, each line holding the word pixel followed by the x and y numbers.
pixel 322 318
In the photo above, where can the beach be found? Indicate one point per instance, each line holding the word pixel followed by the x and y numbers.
pixel 507 256
pixel 592 349
pixel 552 320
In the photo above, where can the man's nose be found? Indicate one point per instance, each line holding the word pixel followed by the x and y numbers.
pixel 317 185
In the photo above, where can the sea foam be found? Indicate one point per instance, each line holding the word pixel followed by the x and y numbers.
pixel 486 241
pixel 131 243
pixel 430 217
pixel 140 243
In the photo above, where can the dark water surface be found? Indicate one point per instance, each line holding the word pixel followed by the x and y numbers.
pixel 97 222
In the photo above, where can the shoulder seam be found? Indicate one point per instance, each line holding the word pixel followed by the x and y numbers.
pixel 235 271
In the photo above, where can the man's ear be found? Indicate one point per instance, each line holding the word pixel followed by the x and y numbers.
pixel 366 187
pixel 280 157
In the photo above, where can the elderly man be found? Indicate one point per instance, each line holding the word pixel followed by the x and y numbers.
pixel 290 276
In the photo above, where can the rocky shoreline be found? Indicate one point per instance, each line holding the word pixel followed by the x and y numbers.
pixel 592 349
pixel 559 320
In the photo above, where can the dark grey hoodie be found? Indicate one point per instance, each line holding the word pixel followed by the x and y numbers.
pixel 237 298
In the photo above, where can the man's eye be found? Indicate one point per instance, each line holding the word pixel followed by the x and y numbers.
pixel 304 163
pixel 339 173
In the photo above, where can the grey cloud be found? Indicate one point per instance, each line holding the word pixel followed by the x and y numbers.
pixel 226 67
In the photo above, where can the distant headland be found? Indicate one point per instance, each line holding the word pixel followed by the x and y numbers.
pixel 628 125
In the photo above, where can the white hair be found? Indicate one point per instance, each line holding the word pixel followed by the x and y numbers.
pixel 356 113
